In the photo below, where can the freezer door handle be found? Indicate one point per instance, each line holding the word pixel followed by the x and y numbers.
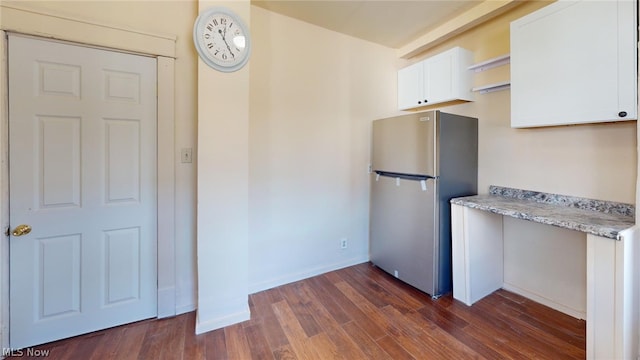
pixel 404 176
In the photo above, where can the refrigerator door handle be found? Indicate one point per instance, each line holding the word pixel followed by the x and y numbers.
pixel 412 177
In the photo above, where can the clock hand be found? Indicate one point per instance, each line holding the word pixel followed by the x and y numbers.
pixel 225 41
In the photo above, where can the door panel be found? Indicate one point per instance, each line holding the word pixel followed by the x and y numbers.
pixel 122 265
pixel 82 150
pixel 405 144
pixel 58 79
pixel 59 159
pixel 59 276
pixel 123 160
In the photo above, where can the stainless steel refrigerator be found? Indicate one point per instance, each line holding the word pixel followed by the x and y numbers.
pixel 419 162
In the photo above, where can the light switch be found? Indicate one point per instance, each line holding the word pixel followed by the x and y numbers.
pixel 185 155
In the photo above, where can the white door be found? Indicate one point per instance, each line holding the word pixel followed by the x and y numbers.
pixel 82 151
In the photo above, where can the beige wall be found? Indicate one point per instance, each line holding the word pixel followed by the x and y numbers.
pixel 596 161
pixel 314 94
pixel 223 190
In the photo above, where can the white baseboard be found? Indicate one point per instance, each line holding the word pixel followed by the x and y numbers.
pixel 304 274
pixel 547 302
pixel 218 323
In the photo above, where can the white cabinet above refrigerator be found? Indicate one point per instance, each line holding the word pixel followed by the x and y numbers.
pixel 574 62
pixel 440 78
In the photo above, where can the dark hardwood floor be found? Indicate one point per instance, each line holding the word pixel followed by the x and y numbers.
pixel 355 313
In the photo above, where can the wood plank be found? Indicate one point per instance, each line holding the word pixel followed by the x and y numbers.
pixel 173 346
pixel 236 341
pixel 157 334
pixel 264 314
pixel 83 349
pixel 333 277
pixel 325 348
pixel 301 308
pixel 132 337
pixel 322 289
pixel 368 288
pixel 284 352
pixel 107 348
pixel 215 345
pixel 371 318
pixel 395 350
pixel 370 348
pixel 347 348
pixel 260 349
pixel 356 314
pixel 298 339
pixel 194 345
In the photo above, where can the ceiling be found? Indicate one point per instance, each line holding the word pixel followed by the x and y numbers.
pixel 391 23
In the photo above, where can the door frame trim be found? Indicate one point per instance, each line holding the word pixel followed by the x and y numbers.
pixel 29 22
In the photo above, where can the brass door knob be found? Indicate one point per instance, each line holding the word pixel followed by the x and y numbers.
pixel 21 230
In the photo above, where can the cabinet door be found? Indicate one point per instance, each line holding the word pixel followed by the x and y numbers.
pixel 574 62
pixel 410 86
pixel 447 76
pixel 438 77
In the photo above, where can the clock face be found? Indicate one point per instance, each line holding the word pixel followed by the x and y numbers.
pixel 222 39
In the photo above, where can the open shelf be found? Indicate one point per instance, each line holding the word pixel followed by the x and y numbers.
pixel 491 63
pixel 492 87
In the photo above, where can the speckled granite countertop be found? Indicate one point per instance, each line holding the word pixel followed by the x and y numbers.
pixel 601 218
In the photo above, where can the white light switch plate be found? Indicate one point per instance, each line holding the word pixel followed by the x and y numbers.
pixel 186 155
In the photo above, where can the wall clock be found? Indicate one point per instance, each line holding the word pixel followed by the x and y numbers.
pixel 222 39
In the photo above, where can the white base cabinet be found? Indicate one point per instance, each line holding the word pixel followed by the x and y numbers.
pixel 441 78
pixel 574 62
pixel 612 272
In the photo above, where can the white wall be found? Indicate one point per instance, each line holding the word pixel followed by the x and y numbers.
pixel 314 94
pixel 557 276
pixel 222 235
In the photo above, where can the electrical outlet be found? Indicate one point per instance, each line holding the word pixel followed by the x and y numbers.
pixel 343 243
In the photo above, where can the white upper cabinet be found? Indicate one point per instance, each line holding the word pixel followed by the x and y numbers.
pixel 411 92
pixel 441 78
pixel 574 62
